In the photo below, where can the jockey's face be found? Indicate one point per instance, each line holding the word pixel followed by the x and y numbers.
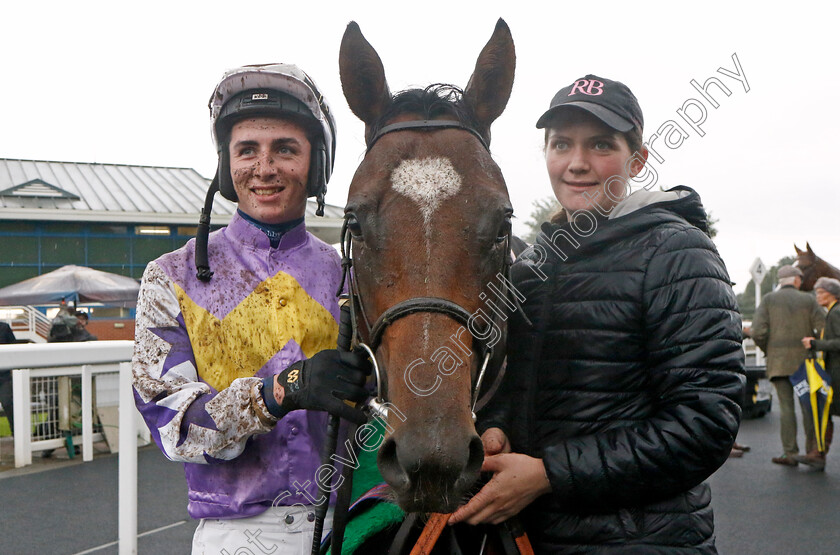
pixel 269 166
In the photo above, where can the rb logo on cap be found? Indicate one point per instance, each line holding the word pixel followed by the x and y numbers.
pixel 589 87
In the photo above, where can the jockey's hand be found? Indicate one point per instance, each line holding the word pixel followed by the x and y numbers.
pixel 517 480
pixel 495 441
pixel 322 382
pixel 806 342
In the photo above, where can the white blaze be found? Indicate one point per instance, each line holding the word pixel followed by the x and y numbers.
pixel 427 182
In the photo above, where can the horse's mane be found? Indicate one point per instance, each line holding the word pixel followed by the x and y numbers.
pixel 434 102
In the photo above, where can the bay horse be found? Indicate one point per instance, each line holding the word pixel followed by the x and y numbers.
pixel 429 218
pixel 813 267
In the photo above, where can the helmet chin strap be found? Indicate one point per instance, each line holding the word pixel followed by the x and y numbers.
pixel 223 176
pixel 202 261
pixel 317 185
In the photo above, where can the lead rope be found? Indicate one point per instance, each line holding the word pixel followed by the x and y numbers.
pixel 344 344
pixel 437 524
pixel 430 534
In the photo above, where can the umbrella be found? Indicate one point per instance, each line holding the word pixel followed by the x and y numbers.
pixel 812 385
pixel 72 283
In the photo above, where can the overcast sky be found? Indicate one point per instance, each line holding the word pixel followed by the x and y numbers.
pixel 102 82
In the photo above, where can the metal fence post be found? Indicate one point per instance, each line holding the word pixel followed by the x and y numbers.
pixel 127 465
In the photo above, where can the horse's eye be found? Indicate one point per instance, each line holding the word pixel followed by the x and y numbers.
pixel 504 230
pixel 354 227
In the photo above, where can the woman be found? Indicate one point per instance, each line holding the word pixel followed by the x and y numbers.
pixel 622 389
pixel 828 292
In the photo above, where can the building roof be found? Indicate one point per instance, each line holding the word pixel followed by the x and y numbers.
pixel 79 191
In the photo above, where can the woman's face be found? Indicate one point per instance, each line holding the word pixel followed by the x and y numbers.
pixel 587 163
pixel 824 298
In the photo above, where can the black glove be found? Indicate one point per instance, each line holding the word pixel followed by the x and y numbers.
pixel 322 382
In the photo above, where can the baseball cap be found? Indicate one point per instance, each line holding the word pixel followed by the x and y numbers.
pixel 610 101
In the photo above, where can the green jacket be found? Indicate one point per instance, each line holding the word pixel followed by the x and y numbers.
pixel 783 318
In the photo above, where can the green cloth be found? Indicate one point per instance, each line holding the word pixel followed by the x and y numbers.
pixel 377 517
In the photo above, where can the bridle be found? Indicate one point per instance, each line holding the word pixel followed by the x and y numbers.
pixel 378 406
pixel 426 125
pixel 374 332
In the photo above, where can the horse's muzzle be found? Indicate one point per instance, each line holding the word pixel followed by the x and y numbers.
pixel 430 473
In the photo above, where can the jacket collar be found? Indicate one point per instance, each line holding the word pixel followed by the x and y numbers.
pixel 248 235
pixel 576 239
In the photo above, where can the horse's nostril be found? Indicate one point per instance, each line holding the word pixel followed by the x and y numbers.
pixel 390 468
pixel 474 460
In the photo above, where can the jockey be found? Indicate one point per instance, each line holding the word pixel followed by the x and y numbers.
pixel 228 366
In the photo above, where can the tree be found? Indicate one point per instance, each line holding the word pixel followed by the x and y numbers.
pixel 542 212
pixel 711 221
pixel 746 300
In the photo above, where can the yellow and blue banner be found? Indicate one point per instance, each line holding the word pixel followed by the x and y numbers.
pixel 812 385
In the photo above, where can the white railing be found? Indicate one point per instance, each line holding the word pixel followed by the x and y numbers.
pixel 107 360
pixel 26 323
pixel 53 394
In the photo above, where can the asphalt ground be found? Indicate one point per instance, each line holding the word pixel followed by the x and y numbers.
pixel 70 508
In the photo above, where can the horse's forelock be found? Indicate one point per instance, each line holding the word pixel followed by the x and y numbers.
pixel 434 102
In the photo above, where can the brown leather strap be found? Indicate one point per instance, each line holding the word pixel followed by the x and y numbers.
pixel 524 544
pixel 430 534
pixel 520 538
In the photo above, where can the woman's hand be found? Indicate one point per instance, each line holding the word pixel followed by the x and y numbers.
pixel 806 342
pixel 517 480
pixel 495 441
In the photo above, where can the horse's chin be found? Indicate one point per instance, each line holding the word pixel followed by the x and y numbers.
pixel 433 496
pixel 432 503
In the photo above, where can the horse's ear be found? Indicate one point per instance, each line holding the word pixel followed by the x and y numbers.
pixel 808 248
pixel 362 76
pixel 488 90
pixel 798 251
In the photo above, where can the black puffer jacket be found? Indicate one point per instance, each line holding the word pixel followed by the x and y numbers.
pixel 628 383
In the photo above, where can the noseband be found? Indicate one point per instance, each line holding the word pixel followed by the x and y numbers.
pixel 415 304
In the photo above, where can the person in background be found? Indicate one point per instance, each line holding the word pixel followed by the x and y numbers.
pixel 63 325
pixel 7 337
pixel 80 332
pixel 783 318
pixel 828 293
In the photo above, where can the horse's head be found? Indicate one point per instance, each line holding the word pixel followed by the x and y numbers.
pixel 428 214
pixel 806 261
